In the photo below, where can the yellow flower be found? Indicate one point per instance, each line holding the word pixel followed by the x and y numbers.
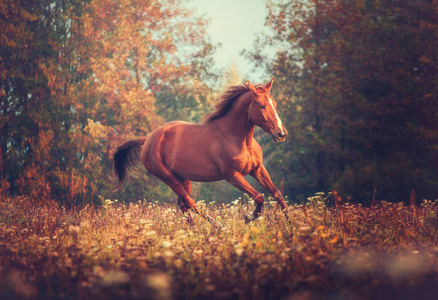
pixel 334 240
pixel 254 229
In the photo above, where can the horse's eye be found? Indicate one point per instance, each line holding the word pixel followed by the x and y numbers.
pixel 262 106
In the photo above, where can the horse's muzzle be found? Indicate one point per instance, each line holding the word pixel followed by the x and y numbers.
pixel 279 134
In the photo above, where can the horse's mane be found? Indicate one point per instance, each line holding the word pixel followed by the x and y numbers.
pixel 226 100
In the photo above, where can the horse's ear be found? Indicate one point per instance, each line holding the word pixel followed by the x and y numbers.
pixel 269 85
pixel 252 88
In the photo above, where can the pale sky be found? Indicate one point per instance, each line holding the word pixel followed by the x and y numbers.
pixel 234 24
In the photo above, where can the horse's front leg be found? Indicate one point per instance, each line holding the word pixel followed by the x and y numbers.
pixel 262 176
pixel 238 181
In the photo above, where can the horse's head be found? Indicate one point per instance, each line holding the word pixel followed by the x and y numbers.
pixel 263 112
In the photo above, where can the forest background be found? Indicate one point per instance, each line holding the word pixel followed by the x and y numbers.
pixel 356 84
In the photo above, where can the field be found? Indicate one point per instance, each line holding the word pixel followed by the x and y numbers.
pixel 146 250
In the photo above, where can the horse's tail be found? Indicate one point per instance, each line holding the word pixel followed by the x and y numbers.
pixel 123 159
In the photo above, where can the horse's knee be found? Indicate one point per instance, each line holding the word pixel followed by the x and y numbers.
pixel 259 199
pixel 277 194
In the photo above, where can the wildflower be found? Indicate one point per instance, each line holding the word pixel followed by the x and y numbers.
pixel 238 249
pixel 85 224
pixel 254 229
pixel 178 263
pixel 72 228
pixel 334 240
pixel 156 286
pixel 198 251
pixel 260 219
pixel 166 244
pixel 181 234
pixel 168 253
pixel 305 228
pixel 115 278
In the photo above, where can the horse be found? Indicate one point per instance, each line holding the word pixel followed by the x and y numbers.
pixel 222 147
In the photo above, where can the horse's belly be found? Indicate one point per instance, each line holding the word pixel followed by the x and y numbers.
pixel 200 177
pixel 195 167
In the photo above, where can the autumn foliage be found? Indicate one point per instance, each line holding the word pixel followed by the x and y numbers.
pixel 79 77
pixel 356 84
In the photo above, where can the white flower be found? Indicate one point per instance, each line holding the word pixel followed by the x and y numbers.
pixel 168 253
pixel 166 244
pixel 238 249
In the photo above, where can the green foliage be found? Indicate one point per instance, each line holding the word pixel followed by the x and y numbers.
pixel 357 89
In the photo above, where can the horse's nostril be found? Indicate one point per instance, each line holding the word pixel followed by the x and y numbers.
pixel 280 135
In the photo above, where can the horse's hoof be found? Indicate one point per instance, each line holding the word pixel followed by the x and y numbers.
pixel 249 218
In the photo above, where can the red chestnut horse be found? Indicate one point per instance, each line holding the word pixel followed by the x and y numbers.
pixel 222 147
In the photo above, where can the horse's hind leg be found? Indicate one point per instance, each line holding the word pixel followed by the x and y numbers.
pixel 183 196
pixel 178 187
pixel 185 210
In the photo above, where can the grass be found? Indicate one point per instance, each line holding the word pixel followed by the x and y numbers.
pixel 146 250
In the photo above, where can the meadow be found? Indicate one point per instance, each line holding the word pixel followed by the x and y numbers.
pixel 146 250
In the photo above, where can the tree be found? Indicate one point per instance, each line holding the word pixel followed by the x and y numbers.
pixel 79 77
pixel 364 78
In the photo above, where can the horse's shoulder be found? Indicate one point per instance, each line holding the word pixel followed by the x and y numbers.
pixel 255 148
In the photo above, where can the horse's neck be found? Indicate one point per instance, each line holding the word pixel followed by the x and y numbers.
pixel 237 122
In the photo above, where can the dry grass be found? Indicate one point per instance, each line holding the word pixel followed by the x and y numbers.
pixel 147 251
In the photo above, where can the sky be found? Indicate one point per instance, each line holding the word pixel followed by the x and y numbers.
pixel 234 24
